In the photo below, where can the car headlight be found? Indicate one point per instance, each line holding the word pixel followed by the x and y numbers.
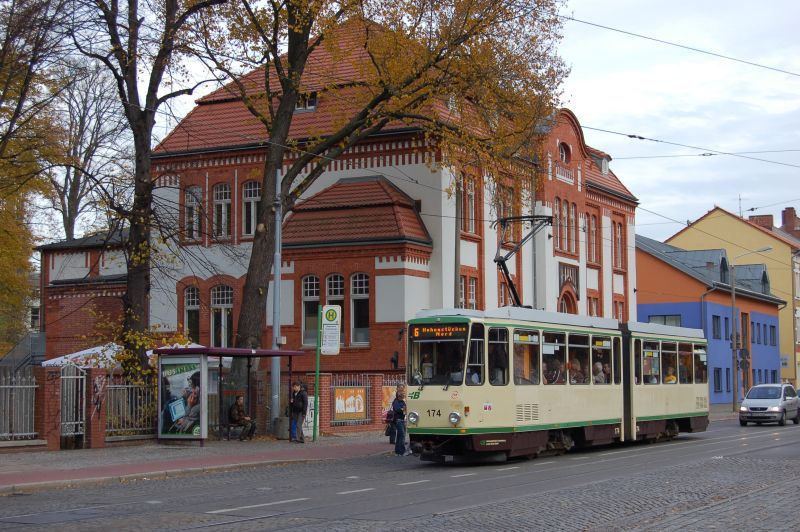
pixel 742 409
pixel 454 418
pixel 413 418
pixel 774 409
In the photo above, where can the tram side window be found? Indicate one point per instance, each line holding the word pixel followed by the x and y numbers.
pixel 578 355
pixel 554 354
pixel 601 360
pixel 685 363
pixel 700 365
pixel 637 362
pixel 651 367
pixel 498 357
pixel 475 362
pixel 617 360
pixel 669 362
pixel 526 357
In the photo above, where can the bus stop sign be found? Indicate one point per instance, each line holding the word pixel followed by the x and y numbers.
pixel 331 329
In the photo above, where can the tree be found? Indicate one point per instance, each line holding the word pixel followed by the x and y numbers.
pixel 30 49
pixel 86 161
pixel 477 78
pixel 141 44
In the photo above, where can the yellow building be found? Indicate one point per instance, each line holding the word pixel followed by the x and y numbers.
pixel 740 238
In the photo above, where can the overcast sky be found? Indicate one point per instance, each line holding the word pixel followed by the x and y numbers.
pixel 631 85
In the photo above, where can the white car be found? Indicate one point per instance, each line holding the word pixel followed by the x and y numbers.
pixel 767 403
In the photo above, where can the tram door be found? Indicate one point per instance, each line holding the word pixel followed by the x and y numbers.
pixel 628 373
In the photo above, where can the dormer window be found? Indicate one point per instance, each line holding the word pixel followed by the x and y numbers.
pixel 765 283
pixel 563 153
pixel 306 101
pixel 604 166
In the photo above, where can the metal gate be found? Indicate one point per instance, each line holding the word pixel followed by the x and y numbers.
pixel 73 402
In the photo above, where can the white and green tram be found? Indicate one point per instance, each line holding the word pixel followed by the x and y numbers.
pixel 518 382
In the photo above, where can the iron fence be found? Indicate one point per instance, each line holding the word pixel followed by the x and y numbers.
pixel 17 405
pixel 131 409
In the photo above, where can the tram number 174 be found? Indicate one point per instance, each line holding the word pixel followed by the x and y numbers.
pixel 435 413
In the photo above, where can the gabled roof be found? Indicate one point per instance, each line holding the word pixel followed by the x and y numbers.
pixel 776 233
pixel 355 211
pixel 102 240
pixel 695 264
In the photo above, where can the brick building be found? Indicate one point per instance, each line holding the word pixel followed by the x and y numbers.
pixel 376 233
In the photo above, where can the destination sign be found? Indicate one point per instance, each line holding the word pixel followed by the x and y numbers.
pixel 436 331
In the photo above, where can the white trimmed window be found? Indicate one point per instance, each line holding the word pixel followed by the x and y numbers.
pixel 334 295
pixel 222 210
pixel 473 288
pixel 193 220
pixel 593 239
pixel 222 316
pixel 462 281
pixel 573 221
pixel 470 214
pixel 557 223
pixel 306 101
pixel 191 313
pixel 359 305
pixel 251 195
pixel 310 309
pixel 565 227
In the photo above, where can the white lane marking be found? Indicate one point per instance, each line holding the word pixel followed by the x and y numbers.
pixel 353 491
pixel 507 468
pixel 414 482
pixel 579 458
pixel 352 477
pixel 153 502
pixel 544 463
pixel 463 475
pixel 263 489
pixel 224 510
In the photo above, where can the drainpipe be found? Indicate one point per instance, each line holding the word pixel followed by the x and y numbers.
pixel 703 307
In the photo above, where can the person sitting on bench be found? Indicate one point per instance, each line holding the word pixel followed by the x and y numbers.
pixel 238 418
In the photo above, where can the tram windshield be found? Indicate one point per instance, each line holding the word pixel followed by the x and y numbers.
pixel 436 353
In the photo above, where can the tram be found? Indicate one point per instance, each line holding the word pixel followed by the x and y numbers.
pixel 516 381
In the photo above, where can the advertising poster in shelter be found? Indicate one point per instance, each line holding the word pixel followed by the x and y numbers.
pixel 182 398
pixel 350 403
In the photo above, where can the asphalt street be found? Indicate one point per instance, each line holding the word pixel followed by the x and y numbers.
pixel 739 478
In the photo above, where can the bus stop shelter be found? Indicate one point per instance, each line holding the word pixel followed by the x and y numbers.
pixel 190 377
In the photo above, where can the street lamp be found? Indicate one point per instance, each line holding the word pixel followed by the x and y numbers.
pixel 734 329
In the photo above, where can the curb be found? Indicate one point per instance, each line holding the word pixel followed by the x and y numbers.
pixel 165 473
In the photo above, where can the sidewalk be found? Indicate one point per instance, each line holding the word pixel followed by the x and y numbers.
pixel 31 470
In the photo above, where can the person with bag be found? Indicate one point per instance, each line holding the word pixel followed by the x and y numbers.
pixel 391 431
pixel 399 411
pixel 298 408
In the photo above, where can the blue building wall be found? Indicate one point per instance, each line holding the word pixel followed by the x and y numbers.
pixel 764 355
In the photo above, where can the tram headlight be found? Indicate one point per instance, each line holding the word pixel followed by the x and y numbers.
pixel 413 418
pixel 454 418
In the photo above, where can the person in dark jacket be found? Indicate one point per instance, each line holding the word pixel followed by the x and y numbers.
pixel 299 406
pixel 399 410
pixel 238 417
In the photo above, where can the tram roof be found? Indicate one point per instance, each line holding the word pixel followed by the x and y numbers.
pixel 524 314
pixel 664 330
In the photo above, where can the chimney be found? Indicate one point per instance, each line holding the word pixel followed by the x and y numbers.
pixel 763 220
pixel 789 221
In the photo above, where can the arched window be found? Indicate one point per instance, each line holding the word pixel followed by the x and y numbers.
pixel 359 305
pixel 193 221
pixel 222 316
pixel 222 210
pixel 619 246
pixel 563 153
pixel 334 295
pixel 593 239
pixel 191 313
pixel 251 195
pixel 310 309
pixel 557 223
pixel 565 236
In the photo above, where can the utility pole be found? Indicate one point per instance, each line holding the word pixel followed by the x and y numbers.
pixel 734 341
pixel 457 251
pixel 275 368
